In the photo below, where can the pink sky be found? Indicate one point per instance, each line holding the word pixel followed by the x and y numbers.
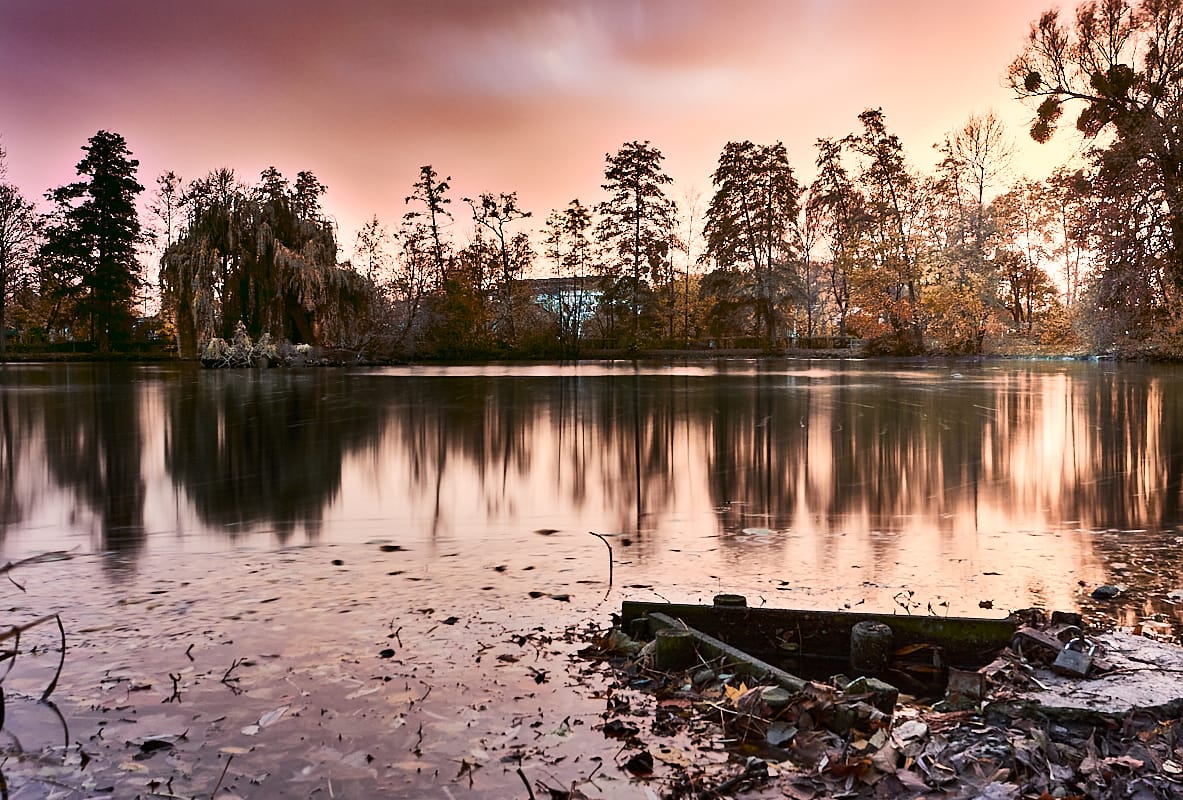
pixel 502 95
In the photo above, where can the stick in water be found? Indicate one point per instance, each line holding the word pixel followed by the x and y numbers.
pixel 609 546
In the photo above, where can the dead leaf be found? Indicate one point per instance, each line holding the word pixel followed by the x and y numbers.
pixel 272 717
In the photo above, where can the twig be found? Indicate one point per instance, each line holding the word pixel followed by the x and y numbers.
pixel 52 555
pixel 235 664
pixel 61 662
pixel 11 655
pixel 176 695
pixel 17 630
pixel 218 785
pixel 529 790
pixel 609 546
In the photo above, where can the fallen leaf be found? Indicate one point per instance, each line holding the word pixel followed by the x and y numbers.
pixel 272 717
pixel 672 756
pixel 640 764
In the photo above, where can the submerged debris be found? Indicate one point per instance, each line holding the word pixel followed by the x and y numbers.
pixel 998 733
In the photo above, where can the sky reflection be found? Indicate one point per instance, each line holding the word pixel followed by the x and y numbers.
pixel 814 483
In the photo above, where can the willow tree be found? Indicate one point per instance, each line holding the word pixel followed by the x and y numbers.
pixel 265 257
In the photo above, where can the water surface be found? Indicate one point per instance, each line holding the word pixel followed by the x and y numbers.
pixel 944 487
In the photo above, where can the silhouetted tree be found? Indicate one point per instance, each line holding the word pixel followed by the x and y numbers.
pixel 568 246
pixel 431 193
pixel 512 254
pixel 637 224
pixel 1121 65
pixel 19 224
pixel 749 224
pixel 370 253
pixel 91 242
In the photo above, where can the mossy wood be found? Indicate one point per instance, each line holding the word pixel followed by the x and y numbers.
pixel 780 635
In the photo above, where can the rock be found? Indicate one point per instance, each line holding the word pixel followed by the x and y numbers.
pixel 1106 592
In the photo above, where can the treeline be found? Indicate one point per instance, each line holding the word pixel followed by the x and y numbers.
pixel 942 259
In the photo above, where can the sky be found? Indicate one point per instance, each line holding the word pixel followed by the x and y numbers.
pixel 524 96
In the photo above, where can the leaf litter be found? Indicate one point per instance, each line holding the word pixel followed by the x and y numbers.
pixel 351 686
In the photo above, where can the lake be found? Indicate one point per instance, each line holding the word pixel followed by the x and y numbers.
pixel 363 578
pixel 825 482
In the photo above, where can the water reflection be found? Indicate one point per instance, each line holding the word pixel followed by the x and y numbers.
pixel 906 473
pixel 257 449
pixel 93 447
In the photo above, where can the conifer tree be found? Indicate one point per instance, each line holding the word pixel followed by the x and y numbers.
pixel 91 244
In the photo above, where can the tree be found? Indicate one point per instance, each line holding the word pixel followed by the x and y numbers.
pixel 255 257
pixel 1123 67
pixel 637 224
pixel 93 239
pixel 840 209
pixel 19 225
pixel 306 196
pixel 891 279
pixel 568 246
pixel 1022 218
pixel 431 192
pixel 749 223
pixel 414 268
pixel 370 253
pixel 964 280
pixel 513 254
pixel 1066 193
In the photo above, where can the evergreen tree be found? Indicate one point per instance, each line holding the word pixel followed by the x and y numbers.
pixel 92 241
pixel 637 222
pixel 750 220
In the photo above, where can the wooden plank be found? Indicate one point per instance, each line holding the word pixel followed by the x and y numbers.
pixel 774 634
pixel 711 648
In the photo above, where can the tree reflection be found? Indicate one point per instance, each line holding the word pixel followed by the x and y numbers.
pixel 93 445
pixel 256 449
pixel 16 435
pixel 841 448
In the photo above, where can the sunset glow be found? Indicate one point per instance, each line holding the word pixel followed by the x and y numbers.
pixel 522 96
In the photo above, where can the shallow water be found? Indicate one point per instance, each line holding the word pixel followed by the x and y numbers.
pixel 305 522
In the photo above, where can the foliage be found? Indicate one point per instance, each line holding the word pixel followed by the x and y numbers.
pixel 90 247
pixel 889 278
pixel 19 230
pixel 636 230
pixel 1121 65
pixel 262 257
pixel 751 225
pixel 841 218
